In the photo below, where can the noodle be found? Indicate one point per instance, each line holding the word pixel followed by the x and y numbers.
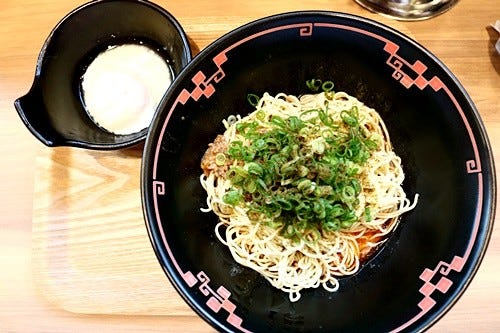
pixel 290 253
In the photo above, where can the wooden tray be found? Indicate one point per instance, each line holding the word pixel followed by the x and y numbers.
pixel 91 251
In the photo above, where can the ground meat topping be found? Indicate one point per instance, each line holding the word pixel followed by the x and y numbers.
pixel 208 162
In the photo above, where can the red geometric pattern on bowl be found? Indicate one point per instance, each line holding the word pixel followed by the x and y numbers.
pixel 443 285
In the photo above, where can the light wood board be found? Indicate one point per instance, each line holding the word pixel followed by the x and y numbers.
pixel 91 250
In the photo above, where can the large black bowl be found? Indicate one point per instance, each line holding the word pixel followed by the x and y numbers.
pixel 430 259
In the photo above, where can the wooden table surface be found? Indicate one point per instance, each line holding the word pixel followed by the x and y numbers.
pixel 461 38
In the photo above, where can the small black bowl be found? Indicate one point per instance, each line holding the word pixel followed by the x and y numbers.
pixel 53 109
pixel 424 266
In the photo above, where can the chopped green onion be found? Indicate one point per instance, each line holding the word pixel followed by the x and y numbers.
pixel 349 118
pixel 253 99
pixel 303 187
pixel 327 86
pixel 250 185
pixel 232 197
pixel 313 84
pixel 261 115
pixel 220 159
pixel 254 169
pixel 368 214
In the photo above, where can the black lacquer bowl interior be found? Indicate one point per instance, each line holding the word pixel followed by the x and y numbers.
pixel 429 260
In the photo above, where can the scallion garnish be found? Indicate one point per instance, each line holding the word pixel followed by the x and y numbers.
pixel 302 186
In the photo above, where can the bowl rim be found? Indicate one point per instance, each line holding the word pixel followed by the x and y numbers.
pixel 158 120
